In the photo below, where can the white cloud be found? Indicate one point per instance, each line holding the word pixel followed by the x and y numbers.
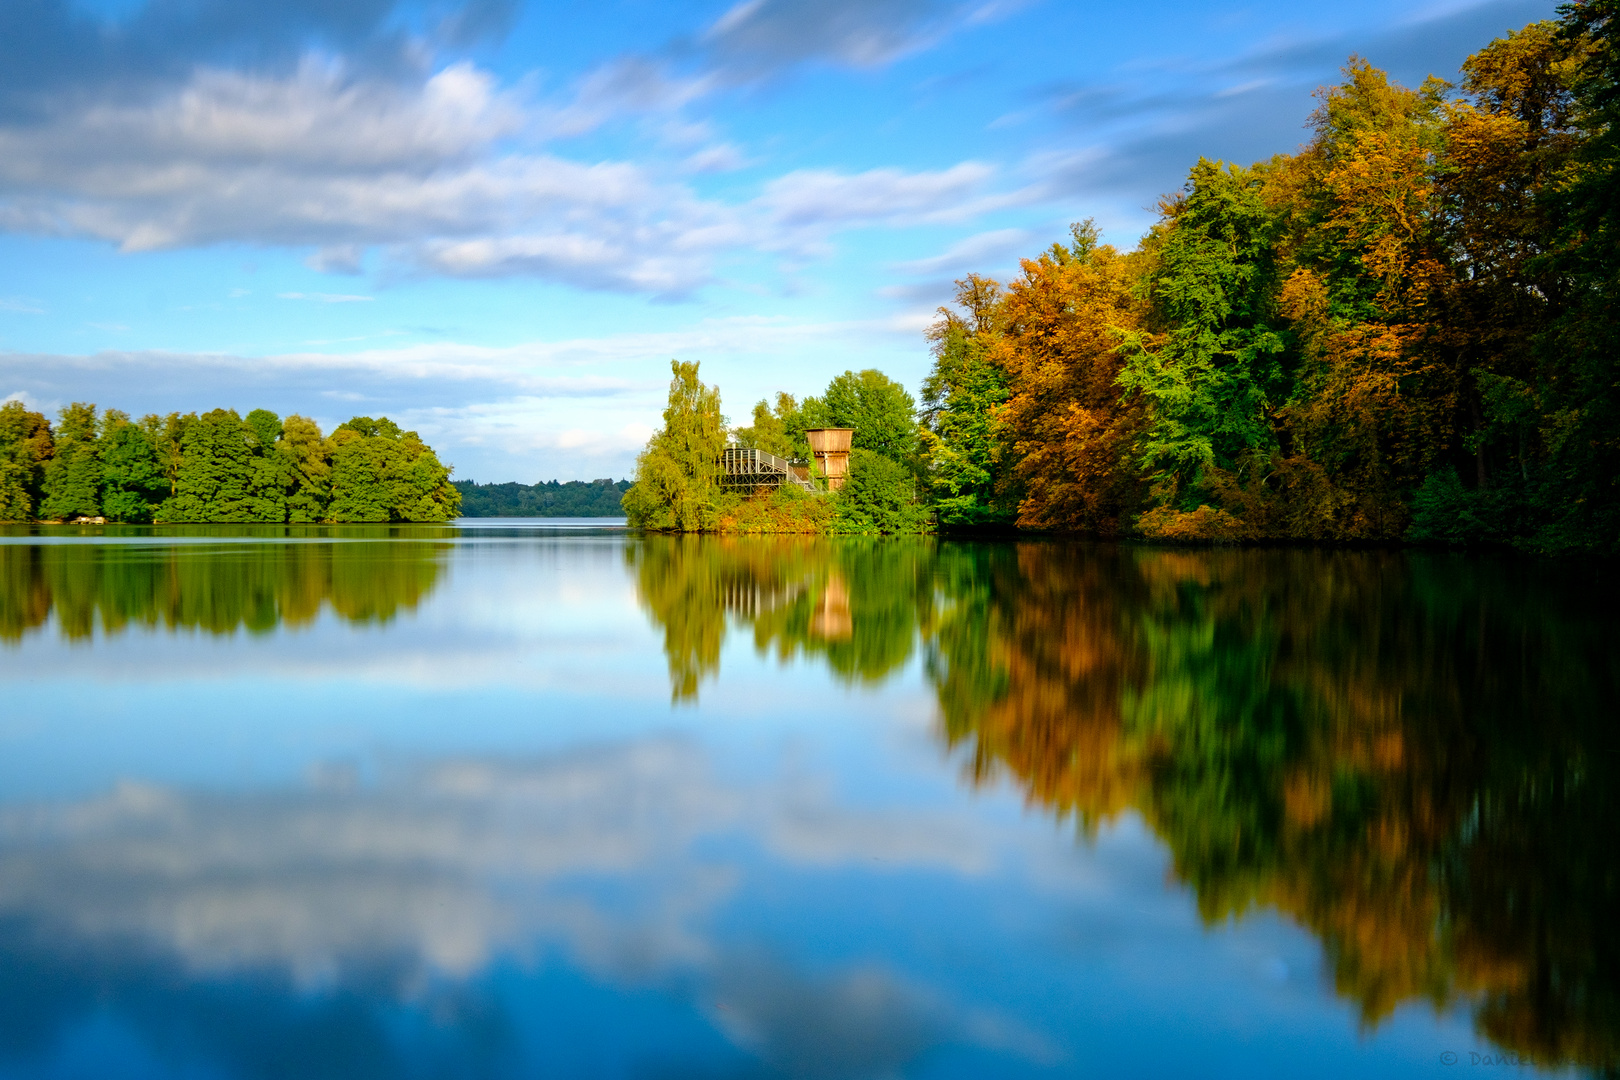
pixel 444 176
pixel 342 163
pixel 22 305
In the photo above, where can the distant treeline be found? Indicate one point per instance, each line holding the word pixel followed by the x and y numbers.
pixel 576 498
pixel 216 468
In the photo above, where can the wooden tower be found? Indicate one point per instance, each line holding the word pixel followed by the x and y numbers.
pixel 830 445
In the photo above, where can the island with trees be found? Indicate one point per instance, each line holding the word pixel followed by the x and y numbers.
pixel 215 468
pixel 1405 331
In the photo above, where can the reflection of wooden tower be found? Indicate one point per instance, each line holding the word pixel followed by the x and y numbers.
pixel 830 445
pixel 831 619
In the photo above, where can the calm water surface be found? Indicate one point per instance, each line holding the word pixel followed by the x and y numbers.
pixel 529 800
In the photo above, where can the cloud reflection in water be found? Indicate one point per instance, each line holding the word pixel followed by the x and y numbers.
pixel 353 913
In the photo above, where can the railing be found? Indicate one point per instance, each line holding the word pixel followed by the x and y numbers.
pixel 747 467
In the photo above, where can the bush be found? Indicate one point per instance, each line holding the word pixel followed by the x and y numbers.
pixel 787 509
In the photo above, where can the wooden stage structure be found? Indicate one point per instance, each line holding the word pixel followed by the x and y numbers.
pixel 747 467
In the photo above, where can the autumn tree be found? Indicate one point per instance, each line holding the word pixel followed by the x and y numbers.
pixel 25 447
pixel 1072 427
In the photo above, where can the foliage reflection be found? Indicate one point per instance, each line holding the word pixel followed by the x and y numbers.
pixel 218 589
pixel 1412 756
pixel 856 603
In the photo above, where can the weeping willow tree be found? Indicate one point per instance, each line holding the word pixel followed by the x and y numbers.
pixel 677 484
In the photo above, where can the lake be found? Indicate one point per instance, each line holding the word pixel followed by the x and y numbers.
pixel 540 798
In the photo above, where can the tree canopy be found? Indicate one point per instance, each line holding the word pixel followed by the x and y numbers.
pixel 215 468
pixel 1405 330
pixel 677 483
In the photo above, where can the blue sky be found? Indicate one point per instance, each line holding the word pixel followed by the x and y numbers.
pixel 496 221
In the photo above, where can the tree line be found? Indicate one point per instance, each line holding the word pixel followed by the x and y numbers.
pixel 575 498
pixel 1405 330
pixel 217 467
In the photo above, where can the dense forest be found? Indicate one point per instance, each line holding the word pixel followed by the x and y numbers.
pixel 215 468
pixel 575 498
pixel 1405 330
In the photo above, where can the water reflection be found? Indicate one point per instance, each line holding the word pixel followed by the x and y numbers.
pixel 218 589
pixel 346 929
pixel 515 850
pixel 1412 756
pixel 799 596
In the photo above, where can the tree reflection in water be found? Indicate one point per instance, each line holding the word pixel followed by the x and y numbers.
pixel 1411 755
pixel 216 588
pixel 856 604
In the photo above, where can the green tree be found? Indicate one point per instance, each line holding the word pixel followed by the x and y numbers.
pixel 769 431
pixel 168 436
pixel 273 473
pixel 677 483
pixel 25 446
pixel 72 485
pixel 265 426
pixel 307 455
pixel 880 410
pixel 879 496
pixel 132 480
pixel 380 473
pixel 1581 355
pixel 361 467
pixel 1213 376
pixel 961 441
pixel 215 478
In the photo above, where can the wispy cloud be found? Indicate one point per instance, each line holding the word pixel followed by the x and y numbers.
pixel 971 253
pixel 326 298
pixel 22 305
pixel 757 39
